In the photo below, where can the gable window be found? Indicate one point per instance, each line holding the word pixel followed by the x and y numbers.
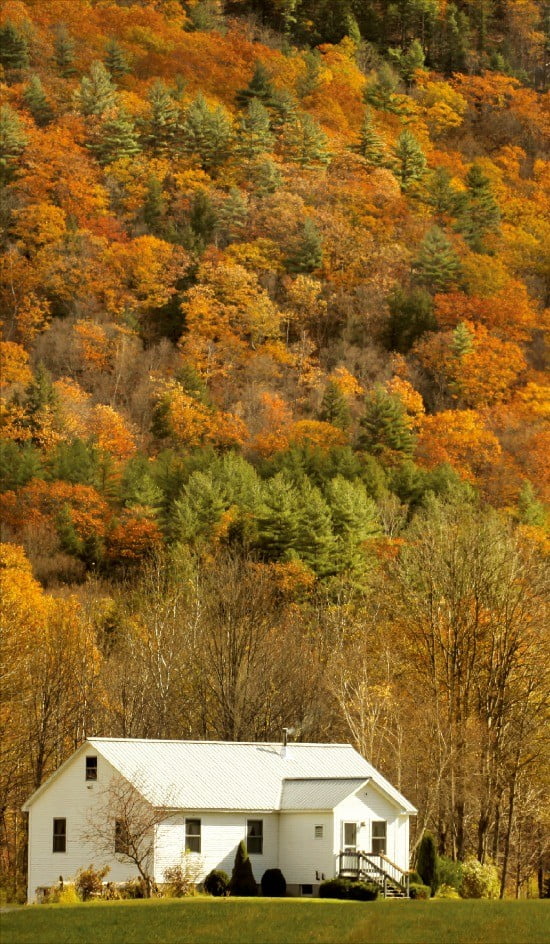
pixel 319 832
pixel 60 835
pixel 255 836
pixel 122 842
pixel 91 768
pixel 193 835
pixel 379 837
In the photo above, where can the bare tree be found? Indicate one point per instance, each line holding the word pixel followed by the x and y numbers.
pixel 123 825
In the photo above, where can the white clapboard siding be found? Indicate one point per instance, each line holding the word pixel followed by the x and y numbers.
pixel 364 806
pixel 302 857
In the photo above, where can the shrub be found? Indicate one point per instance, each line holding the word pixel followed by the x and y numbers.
pixel 419 891
pixel 135 888
pixel 66 896
pixel 348 890
pixel 479 881
pixel 89 881
pixel 414 878
pixel 450 872
pixel 273 884
pixel 447 891
pixel 181 879
pixel 426 862
pixel 242 878
pixel 216 883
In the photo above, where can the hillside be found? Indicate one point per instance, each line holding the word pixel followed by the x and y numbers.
pixel 274 301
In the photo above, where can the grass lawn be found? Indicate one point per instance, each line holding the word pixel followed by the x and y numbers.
pixel 287 921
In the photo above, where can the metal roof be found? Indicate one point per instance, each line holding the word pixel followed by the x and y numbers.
pixel 223 775
pixel 321 794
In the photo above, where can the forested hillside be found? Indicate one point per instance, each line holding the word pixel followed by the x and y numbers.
pixel 275 437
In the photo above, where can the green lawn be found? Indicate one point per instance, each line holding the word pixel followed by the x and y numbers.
pixel 290 921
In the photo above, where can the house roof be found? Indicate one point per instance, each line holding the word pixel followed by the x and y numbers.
pixel 222 775
pixel 318 794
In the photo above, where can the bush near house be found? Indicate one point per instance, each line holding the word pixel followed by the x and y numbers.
pixel 348 890
pixel 478 880
pixel 273 884
pixel 89 881
pixel 216 883
pixel 419 891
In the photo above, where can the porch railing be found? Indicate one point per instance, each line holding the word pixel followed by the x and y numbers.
pixel 374 867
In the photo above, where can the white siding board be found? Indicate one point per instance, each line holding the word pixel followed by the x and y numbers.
pixel 365 806
pixel 301 855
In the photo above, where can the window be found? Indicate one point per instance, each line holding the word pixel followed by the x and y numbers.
pixel 379 837
pixel 255 836
pixel 319 832
pixel 91 768
pixel 350 837
pixel 193 835
pixel 60 835
pixel 306 889
pixel 121 838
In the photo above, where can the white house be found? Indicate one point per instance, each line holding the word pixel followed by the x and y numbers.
pixel 312 810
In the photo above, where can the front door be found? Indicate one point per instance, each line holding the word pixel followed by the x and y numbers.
pixel 350 858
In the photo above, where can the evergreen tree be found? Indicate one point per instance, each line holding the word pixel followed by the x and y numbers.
pixel 259 88
pixel 77 462
pixel 354 521
pixel 13 142
pixel 334 407
pixel 305 143
pixel 437 266
pixel 371 144
pixel 426 862
pixel 264 176
pixel 232 216
pixel 283 110
pixel 309 81
pixel 479 213
pixel 37 103
pixel 207 133
pixel 454 40
pixel 18 464
pixel 307 254
pixel 314 543
pixel 162 129
pixel 462 342
pixel 278 518
pixel 380 92
pixel 410 162
pixel 255 136
pixel 195 515
pixel 14 51
pixel 96 94
pixel 384 427
pixel 441 195
pixel 411 314
pixel 115 60
pixel 242 880
pixel 530 510
pixel 154 206
pixel 115 138
pixel 202 220
pixel 64 53
pixel 411 61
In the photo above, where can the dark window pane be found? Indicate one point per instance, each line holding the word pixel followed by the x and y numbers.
pixel 255 836
pixel 91 768
pixel 59 835
pixel 121 838
pixel 193 835
pixel 379 837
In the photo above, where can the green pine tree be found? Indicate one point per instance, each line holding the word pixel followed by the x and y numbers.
pixel 232 216
pixel 462 341
pixel 278 518
pixel 437 265
pixel 308 82
pixel 37 103
pixel 115 60
pixel 13 142
pixel 314 543
pixel 381 92
pixel 410 162
pixel 162 129
pixel 242 882
pixel 411 61
pixel 354 522
pixel 307 254
pixel 441 195
pixel 260 87
pixel 64 53
pixel 385 431
pixel 426 862
pixel 283 110
pixel 371 144
pixel 479 214
pixel 195 515
pixel 115 138
pixel 264 176
pixel 411 314
pixel 14 50
pixel 255 136
pixel 203 220
pixel 77 462
pixel 454 40
pixel 207 134
pixel 96 94
pixel 19 464
pixel 153 210
pixel 305 143
pixel 334 407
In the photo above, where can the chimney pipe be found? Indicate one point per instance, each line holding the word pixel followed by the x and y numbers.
pixel 285 737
